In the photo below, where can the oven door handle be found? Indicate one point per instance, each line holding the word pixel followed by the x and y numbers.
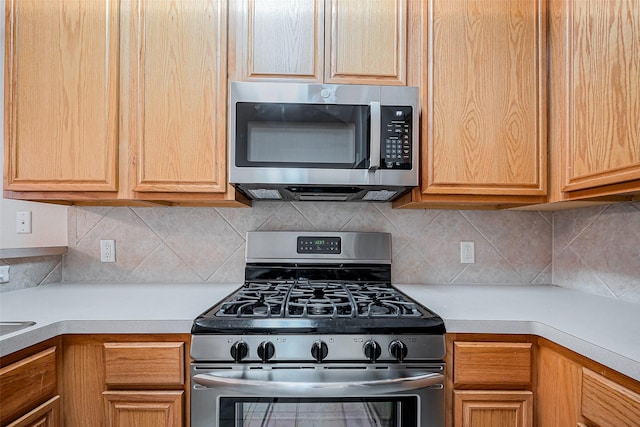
pixel 293 388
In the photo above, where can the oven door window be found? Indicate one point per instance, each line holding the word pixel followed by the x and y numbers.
pixel 302 135
pixel 390 411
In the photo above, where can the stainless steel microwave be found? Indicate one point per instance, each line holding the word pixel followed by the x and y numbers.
pixel 293 141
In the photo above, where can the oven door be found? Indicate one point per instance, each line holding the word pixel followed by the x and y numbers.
pixel 317 395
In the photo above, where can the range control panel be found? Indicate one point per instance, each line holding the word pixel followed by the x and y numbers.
pixel 397 124
pixel 319 245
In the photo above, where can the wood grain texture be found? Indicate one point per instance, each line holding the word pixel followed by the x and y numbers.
pixel 61 95
pixel 144 363
pixel 83 383
pixel 26 384
pixel 284 39
pixel 491 363
pixel 602 59
pixel 45 415
pixel 493 408
pixel 485 118
pixel 178 120
pixel 143 409
pixel 366 42
pixel 607 403
pixel 557 389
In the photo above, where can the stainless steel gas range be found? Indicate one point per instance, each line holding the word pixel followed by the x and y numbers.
pixel 318 336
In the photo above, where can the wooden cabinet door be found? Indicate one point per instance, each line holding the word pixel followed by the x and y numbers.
pixel 366 42
pixel 595 81
pixel 177 93
pixel 331 41
pixel 276 39
pixel 61 95
pixel 483 82
pixel 493 408
pixel 45 415
pixel 143 408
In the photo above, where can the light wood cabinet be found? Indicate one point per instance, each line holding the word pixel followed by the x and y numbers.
pixel 61 95
pixel 117 102
pixel 594 130
pixel 330 41
pixel 25 385
pixel 572 390
pixel 143 409
pixel 45 415
pixel 481 67
pixel 493 408
pixel 131 380
pixel 491 381
pixel 608 403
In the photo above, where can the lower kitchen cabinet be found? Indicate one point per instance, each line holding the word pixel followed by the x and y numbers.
pixel 493 408
pixel 143 408
pixel 126 380
pixel 28 389
pixel 575 391
pixel 45 415
pixel 491 380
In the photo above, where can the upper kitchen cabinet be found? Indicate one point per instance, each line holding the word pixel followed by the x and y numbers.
pixel 321 41
pixel 174 81
pixel 118 102
pixel 481 67
pixel 594 127
pixel 61 95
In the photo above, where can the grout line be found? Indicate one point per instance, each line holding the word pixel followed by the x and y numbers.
pixel 514 268
pixel 78 240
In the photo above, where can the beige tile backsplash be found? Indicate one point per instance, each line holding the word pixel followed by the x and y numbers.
pixel 207 244
pixel 594 249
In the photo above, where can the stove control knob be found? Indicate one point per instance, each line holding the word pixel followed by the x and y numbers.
pixel 319 350
pixel 266 350
pixel 372 350
pixel 398 349
pixel 239 350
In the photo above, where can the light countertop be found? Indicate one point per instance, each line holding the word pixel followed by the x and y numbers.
pixel 603 329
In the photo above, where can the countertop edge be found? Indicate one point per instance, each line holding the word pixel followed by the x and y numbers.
pixel 32 252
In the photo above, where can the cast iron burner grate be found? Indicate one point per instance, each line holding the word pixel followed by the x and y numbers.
pixel 317 299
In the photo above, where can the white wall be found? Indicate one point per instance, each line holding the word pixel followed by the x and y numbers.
pixel 49 222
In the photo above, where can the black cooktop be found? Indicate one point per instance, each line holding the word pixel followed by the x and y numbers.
pixel 317 306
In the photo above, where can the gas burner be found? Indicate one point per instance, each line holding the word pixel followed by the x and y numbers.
pixel 374 300
pixel 256 300
pixel 320 299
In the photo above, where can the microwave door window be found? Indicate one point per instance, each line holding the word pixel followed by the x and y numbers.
pixel 302 135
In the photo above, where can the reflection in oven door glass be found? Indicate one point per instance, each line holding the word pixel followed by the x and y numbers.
pixel 333 414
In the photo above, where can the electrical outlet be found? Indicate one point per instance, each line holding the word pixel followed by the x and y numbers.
pixel 107 250
pixel 23 222
pixel 4 273
pixel 467 253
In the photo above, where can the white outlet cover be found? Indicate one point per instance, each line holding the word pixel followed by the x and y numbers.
pixel 467 253
pixel 23 222
pixel 107 250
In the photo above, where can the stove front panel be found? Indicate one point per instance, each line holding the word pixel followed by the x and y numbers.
pixel 339 348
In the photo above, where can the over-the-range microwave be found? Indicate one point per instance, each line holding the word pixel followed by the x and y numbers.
pixel 296 141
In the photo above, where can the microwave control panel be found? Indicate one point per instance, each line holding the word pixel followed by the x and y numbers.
pixel 395 149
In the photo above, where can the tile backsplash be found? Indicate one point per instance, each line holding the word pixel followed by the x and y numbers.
pixel 597 250
pixel 594 249
pixel 207 244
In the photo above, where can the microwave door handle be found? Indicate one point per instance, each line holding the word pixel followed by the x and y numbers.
pixel 374 132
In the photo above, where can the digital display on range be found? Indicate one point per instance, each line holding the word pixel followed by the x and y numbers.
pixel 319 245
